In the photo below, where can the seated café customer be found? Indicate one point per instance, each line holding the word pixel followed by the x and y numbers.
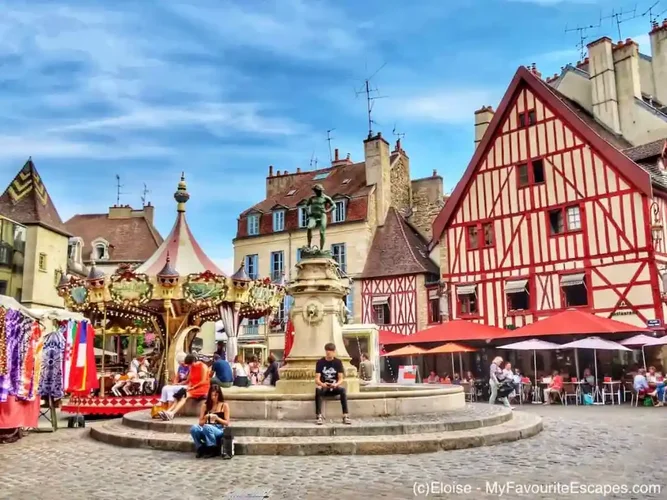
pixel 196 387
pixel 651 375
pixel 272 373
pixel 328 379
pixel 180 379
pixel 213 418
pixel 470 378
pixel 640 385
pixel 555 387
pixel 221 372
pixel 587 382
pixel 457 379
pixel 240 372
pixel 433 378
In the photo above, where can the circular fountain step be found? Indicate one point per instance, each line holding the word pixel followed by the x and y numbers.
pixel 470 417
pixel 477 425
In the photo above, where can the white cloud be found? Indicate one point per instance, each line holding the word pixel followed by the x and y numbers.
pixel 451 106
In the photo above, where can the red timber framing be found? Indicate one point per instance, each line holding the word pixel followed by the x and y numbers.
pixel 400 295
pixel 562 201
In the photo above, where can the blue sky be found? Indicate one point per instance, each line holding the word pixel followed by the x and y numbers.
pixel 222 89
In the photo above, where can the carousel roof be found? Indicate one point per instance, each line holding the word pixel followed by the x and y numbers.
pixel 180 248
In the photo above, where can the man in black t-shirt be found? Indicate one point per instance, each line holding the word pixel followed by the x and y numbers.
pixel 328 380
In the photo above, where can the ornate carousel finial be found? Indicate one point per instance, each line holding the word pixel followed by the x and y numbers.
pixel 95 277
pixel 64 280
pixel 241 275
pixel 168 276
pixel 181 195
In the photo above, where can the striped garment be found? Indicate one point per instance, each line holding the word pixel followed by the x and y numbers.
pixel 3 343
pixel 13 335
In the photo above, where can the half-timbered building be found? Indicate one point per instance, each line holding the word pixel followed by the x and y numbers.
pixel 556 210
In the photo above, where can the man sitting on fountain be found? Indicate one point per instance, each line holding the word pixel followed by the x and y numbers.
pixel 328 380
pixel 197 387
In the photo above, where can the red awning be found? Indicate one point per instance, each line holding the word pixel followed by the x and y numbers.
pixel 451 331
pixel 387 338
pixel 574 322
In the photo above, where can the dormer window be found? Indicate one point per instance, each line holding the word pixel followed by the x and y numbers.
pixel 339 211
pixel 101 251
pixel 71 251
pixel 346 181
pixel 278 220
pixel 291 192
pixel 253 225
pixel 321 176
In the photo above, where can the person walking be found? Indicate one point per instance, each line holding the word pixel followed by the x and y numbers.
pixel 496 377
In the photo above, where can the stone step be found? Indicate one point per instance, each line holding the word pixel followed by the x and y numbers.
pixel 520 426
pixel 472 416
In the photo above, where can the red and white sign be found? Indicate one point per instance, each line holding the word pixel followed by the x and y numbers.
pixel 407 374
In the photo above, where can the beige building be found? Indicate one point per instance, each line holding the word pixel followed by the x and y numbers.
pixel 563 204
pixel 377 232
pixel 39 246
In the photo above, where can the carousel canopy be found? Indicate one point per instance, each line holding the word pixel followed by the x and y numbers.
pixel 180 247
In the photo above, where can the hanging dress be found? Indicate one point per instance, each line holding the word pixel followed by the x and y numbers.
pixel 51 376
pixel 13 332
pixel 3 342
pixel 30 336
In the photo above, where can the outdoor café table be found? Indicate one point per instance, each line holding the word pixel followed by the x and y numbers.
pixel 611 387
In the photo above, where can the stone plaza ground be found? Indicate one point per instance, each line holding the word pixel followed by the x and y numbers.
pixel 589 445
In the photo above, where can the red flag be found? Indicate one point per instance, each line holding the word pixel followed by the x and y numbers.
pixel 83 374
pixel 289 338
pixel 74 381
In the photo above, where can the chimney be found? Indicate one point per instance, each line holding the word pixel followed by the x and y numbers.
pixel 149 212
pixel 278 173
pixel 483 117
pixel 336 154
pixel 298 170
pixel 270 170
pixel 628 89
pixel 659 60
pixel 435 173
pixel 378 172
pixel 603 83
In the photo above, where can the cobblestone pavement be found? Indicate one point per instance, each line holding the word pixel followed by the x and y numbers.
pixel 592 445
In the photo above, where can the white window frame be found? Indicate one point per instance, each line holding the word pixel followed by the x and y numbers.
pixel 278 220
pixel 574 217
pixel 251 265
pixel 277 271
pixel 342 255
pixel 253 224
pixel 303 217
pixel 339 213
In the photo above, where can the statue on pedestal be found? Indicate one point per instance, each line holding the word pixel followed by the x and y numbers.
pixel 318 207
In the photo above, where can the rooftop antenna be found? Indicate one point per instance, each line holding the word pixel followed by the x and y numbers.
pixel 313 161
pixel 329 141
pixel 144 195
pixel 653 18
pixel 118 190
pixel 621 17
pixel 399 135
pixel 372 94
pixel 583 36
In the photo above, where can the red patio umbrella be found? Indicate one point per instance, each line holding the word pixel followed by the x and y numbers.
pixel 574 322
pixel 451 331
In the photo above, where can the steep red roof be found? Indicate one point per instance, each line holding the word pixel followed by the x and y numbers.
pixel 524 78
pixel 132 239
pixel 574 322
pixel 397 249
pixel 27 201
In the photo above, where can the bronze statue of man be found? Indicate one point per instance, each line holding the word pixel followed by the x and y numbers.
pixel 318 207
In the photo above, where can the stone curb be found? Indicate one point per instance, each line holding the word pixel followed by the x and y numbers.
pixel 521 426
pixel 246 428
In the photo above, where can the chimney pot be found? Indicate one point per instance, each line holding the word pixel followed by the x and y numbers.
pixel 278 173
pixel 379 135
pixel 435 172
pixel 285 172
pixel 270 170
pixel 348 157
pixel 336 154
pixel 298 170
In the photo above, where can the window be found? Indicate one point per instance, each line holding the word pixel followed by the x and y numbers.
pixel 349 301
pixel 562 220
pixel 42 262
pixel 251 267
pixel 303 217
pixel 100 252
pixel 346 181
pixel 277 265
pixel 298 255
pixel 530 173
pixel 319 177
pixel 518 298
pixel 527 118
pixel 19 238
pixel 281 314
pixel 473 238
pixel 291 192
pixel 279 220
pixel 480 236
pixel 381 313
pixel 253 225
pixel 3 287
pixel 467 299
pixel 338 254
pixel 338 214
pixel 5 254
pixel 487 232
pixel 71 251
pixel 434 310
pixel 575 293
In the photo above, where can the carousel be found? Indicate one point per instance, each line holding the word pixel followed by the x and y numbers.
pixel 166 299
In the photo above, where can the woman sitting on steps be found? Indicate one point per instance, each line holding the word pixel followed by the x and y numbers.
pixel 213 418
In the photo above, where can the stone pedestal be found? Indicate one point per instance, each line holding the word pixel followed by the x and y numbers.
pixel 318 314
